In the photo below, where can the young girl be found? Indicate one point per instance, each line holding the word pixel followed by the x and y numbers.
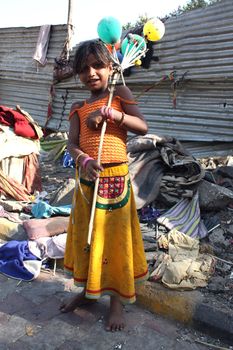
pixel 116 259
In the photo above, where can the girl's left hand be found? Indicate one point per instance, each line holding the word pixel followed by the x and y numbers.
pixel 93 169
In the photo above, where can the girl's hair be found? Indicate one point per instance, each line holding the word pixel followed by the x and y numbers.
pixel 84 49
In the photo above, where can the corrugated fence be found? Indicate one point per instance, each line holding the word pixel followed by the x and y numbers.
pixel 24 81
pixel 187 94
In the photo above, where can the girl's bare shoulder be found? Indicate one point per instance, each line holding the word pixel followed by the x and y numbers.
pixel 76 105
pixel 124 92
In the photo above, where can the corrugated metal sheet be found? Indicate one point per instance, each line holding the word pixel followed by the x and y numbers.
pixel 209 149
pixel 23 81
pixel 199 42
pixel 203 111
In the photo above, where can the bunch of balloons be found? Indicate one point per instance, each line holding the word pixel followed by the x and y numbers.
pixel 133 46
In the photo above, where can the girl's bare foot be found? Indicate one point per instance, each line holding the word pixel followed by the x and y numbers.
pixel 116 321
pixel 76 301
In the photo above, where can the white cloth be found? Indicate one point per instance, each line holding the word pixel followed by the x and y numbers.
pixel 16 146
pixel 53 247
pixel 42 44
pixel 183 267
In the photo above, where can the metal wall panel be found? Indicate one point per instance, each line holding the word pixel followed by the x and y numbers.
pixel 209 149
pixel 204 112
pixel 199 42
pixel 23 81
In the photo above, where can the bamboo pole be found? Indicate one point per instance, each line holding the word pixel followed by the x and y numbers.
pixel 70 12
pixel 69 27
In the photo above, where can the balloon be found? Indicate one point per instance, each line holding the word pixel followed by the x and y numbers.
pixel 138 63
pixel 109 30
pixel 154 29
pixel 116 46
pixel 117 50
pixel 129 42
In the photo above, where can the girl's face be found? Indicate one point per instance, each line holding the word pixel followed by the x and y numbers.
pixel 95 74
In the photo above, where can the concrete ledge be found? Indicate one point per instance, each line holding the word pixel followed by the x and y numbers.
pixel 175 305
pixel 187 307
pixel 217 322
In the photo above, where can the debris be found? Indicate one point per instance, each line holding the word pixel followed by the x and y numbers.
pixel 118 346
pixel 29 330
pixel 211 345
pixel 220 259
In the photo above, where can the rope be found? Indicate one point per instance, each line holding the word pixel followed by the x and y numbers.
pixel 64 97
pixel 175 83
pixel 50 110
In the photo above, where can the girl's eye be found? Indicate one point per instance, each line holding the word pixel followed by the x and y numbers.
pixel 98 65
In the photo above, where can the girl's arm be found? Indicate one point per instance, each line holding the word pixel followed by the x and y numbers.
pixel 73 139
pixel 132 120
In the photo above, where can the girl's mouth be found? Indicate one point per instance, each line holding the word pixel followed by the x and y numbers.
pixel 93 83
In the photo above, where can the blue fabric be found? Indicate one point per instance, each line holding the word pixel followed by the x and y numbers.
pixel 185 217
pixel 12 255
pixel 67 160
pixel 42 209
pixel 147 214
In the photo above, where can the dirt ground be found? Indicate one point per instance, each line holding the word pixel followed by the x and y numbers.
pixel 219 242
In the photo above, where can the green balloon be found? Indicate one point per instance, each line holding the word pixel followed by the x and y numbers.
pixel 131 40
pixel 109 30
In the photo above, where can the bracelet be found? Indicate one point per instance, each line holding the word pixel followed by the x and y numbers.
pixel 78 156
pixel 107 112
pixel 85 161
pixel 77 161
pixel 110 114
pixel 121 121
pixel 102 110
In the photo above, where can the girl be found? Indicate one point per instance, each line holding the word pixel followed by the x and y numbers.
pixel 116 256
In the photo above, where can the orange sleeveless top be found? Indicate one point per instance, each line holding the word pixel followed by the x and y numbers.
pixel 114 145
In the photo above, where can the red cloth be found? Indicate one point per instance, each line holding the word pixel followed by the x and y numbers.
pixel 18 121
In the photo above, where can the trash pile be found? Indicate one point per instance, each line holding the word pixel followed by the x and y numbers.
pixel 31 230
pixel 187 224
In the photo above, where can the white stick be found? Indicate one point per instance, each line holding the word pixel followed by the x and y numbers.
pixel 103 129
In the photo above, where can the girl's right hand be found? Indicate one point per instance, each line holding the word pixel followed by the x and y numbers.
pixel 92 169
pixel 94 120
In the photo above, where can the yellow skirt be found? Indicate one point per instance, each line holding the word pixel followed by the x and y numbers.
pixel 116 259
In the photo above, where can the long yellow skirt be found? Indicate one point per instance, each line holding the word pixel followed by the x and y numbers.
pixel 116 258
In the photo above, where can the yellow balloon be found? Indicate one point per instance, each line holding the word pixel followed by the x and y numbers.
pixel 138 63
pixel 154 29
